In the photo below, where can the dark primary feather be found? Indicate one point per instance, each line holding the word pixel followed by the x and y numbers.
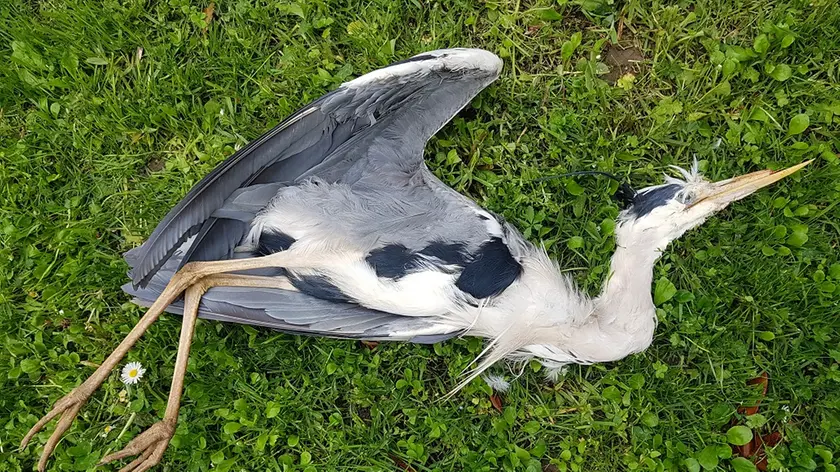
pixel 221 233
pixel 224 232
pixel 376 130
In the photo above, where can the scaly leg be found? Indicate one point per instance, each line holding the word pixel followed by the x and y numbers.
pixel 151 444
pixel 69 405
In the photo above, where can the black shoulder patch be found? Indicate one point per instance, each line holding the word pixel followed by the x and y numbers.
pixel 319 287
pixel 645 203
pixel 490 271
pixel 273 241
pixel 450 253
pixel 392 261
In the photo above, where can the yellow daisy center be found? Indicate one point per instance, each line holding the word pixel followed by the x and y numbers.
pixel 132 373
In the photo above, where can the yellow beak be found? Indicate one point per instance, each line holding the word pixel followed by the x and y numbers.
pixel 736 188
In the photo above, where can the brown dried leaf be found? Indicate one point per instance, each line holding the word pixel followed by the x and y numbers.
pixel 772 439
pixel 763 381
pixel 370 344
pixel 208 14
pixel 748 410
pixel 496 401
pixel 755 449
pixel 402 464
pixel 747 450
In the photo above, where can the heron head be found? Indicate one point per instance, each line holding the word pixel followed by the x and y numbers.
pixel 660 214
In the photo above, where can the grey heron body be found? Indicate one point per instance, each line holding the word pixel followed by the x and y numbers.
pixel 331 224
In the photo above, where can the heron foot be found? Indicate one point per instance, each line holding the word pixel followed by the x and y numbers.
pixel 68 407
pixel 149 446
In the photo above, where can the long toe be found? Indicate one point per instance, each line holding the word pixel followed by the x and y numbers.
pixel 73 400
pixel 136 462
pixel 150 458
pixel 149 446
pixel 66 410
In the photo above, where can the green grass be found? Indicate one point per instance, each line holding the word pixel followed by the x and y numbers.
pixel 97 143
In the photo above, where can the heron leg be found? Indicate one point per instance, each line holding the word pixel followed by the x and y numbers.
pixel 68 406
pixel 150 445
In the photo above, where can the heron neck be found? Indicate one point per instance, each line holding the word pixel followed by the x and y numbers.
pixel 624 316
pixel 626 293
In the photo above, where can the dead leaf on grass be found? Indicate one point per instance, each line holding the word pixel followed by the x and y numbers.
pixel 496 401
pixel 208 15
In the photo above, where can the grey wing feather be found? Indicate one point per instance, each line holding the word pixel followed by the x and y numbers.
pixel 211 192
pixel 227 225
pixel 243 204
pixel 220 236
pixel 377 125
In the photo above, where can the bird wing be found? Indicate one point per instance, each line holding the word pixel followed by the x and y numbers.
pixel 381 119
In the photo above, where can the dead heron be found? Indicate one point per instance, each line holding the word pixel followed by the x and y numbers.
pixel 331 224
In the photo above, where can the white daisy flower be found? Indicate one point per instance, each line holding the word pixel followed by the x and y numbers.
pixel 496 382
pixel 132 373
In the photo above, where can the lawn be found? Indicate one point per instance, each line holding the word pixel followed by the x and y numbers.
pixel 110 111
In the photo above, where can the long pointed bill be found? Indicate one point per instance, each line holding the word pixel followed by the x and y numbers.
pixel 730 190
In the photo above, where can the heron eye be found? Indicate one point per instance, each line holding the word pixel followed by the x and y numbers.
pixel 685 197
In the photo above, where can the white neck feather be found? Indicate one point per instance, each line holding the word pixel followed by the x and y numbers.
pixel 624 316
pixel 544 315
